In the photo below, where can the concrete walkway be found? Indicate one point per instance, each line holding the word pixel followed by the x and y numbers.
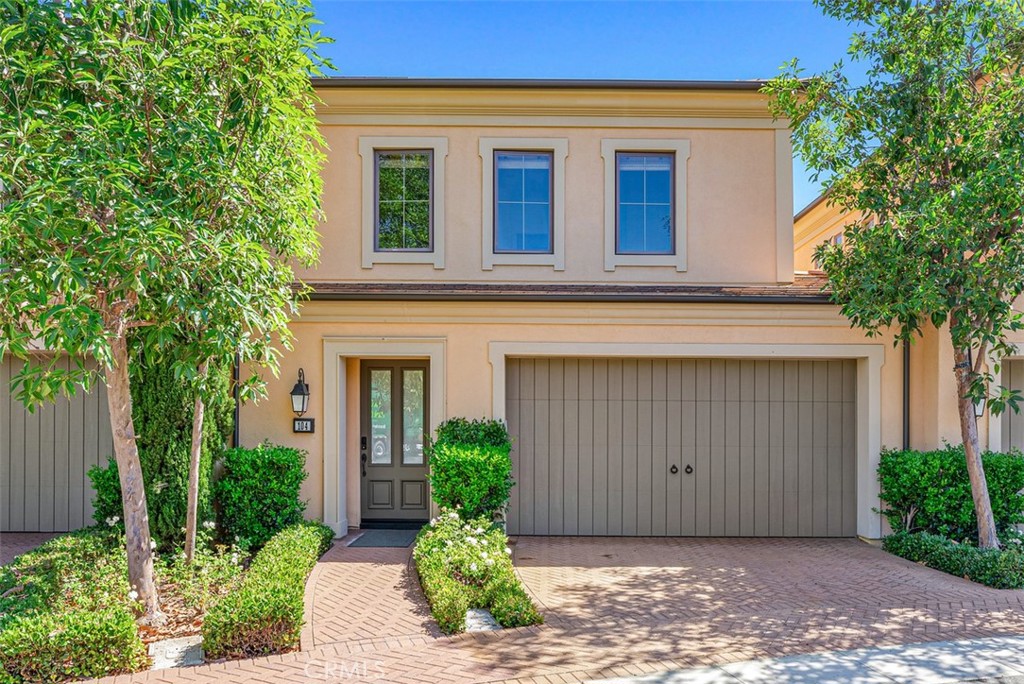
pixel 997 659
pixel 13 544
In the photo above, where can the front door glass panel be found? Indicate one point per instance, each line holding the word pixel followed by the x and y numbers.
pixel 412 417
pixel 380 416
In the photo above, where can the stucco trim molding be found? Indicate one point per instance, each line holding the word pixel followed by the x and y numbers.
pixel 336 429
pixel 870 358
pixel 681 148
pixel 367 146
pixel 784 258
pixel 559 149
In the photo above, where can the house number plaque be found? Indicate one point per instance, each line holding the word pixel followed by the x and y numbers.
pixel 302 425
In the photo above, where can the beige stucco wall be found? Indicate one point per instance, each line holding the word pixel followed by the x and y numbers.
pixel 736 181
pixel 468 328
pixel 815 225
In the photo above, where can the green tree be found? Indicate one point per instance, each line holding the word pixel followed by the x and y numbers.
pixel 159 166
pixel 930 148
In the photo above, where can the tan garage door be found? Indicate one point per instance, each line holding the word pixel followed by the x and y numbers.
pixel 44 457
pixel 678 447
pixel 1013 422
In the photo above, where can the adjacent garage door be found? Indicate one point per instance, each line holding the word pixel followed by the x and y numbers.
pixel 44 457
pixel 669 447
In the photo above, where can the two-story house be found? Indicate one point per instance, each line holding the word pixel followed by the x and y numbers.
pixel 611 267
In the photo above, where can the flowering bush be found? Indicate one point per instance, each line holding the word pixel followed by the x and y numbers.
pixel 467 564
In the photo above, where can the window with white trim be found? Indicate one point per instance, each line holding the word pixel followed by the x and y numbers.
pixel 403 200
pixel 645 202
pixel 523 207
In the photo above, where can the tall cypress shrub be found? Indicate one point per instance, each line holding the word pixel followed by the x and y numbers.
pixel 163 408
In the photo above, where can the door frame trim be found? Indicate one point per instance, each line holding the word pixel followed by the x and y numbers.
pixel 336 351
pixel 870 359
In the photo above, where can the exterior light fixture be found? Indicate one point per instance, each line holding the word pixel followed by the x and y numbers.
pixel 300 395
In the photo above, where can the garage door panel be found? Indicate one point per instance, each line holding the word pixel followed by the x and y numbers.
pixel 771 444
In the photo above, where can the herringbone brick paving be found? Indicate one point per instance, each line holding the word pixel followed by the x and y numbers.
pixel 16 543
pixel 621 607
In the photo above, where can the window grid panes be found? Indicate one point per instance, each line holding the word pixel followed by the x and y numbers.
pixel 403 201
pixel 522 212
pixel 644 213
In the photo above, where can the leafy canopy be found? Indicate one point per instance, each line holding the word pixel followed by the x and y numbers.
pixel 159 175
pixel 929 151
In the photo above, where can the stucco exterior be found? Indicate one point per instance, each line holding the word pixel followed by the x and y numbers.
pixel 737 230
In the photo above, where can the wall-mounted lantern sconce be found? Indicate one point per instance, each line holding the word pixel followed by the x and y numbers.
pixel 300 395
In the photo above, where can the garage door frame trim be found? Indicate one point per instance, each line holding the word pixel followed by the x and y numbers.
pixel 870 358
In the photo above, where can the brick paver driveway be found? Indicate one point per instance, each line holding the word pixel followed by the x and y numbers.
pixel 16 543
pixel 618 607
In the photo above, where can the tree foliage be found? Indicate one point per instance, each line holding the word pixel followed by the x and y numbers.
pixel 159 175
pixel 929 150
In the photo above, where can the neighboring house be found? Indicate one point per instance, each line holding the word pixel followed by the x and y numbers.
pixel 610 267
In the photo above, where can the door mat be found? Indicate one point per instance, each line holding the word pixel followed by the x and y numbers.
pixel 386 538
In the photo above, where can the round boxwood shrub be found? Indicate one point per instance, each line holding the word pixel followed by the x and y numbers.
pixel 258 493
pixel 471 467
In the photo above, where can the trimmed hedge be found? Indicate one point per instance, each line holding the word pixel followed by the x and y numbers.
pixel 471 467
pixel 997 568
pixel 264 614
pixel 463 565
pixel 931 492
pixel 258 493
pixel 66 613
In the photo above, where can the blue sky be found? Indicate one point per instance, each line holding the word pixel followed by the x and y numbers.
pixel 721 39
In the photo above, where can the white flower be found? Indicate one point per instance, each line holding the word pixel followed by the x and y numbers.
pixel 453 515
pixel 471 540
pixel 508 551
pixel 472 567
pixel 433 521
pixel 152 545
pixel 113 520
pixel 484 554
pixel 479 530
pixel 209 524
pixel 133 595
pixel 490 561
pixel 234 558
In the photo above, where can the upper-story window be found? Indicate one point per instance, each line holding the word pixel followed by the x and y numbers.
pixel 522 211
pixel 523 201
pixel 645 202
pixel 644 188
pixel 403 200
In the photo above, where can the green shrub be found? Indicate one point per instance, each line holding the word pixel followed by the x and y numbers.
pixel 162 407
pixel 465 565
pixel 65 611
pixel 998 568
pixel 78 644
pixel 258 493
pixel 473 433
pixel 264 615
pixel 473 480
pixel 931 492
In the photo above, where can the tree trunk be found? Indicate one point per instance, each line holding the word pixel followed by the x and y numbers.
pixel 193 468
pixel 987 538
pixel 133 492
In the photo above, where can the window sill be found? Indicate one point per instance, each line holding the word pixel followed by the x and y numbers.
pixel 613 261
pixel 433 258
pixel 522 259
